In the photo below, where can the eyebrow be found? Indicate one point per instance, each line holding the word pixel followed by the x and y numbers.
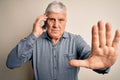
pixel 51 18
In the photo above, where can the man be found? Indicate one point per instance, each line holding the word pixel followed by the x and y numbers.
pixel 57 54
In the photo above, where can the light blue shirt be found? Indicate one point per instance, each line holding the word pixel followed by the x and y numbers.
pixel 50 62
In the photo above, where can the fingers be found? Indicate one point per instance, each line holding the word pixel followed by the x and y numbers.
pixel 101 32
pixel 37 27
pixel 101 35
pixel 105 36
pixel 116 39
pixel 98 35
pixel 108 34
pixel 40 19
pixel 95 37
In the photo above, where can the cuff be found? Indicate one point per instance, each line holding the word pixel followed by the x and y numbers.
pixel 102 71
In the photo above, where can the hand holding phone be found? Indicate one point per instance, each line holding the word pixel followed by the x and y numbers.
pixel 38 29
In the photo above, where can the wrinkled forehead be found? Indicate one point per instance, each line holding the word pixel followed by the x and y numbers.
pixel 56 14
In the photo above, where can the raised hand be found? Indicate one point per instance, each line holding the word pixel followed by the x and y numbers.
pixel 104 49
pixel 37 27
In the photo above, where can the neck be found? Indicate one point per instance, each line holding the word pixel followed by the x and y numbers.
pixel 55 41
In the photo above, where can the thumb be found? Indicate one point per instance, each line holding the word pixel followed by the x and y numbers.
pixel 79 63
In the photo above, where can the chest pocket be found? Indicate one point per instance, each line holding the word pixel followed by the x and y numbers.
pixel 71 52
pixel 69 71
pixel 67 58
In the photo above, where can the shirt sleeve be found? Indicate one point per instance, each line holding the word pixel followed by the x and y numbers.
pixel 83 50
pixel 21 53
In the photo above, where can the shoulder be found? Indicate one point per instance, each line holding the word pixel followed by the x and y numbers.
pixel 72 35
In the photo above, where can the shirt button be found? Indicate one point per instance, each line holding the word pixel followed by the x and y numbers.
pixel 54 55
pixel 54 67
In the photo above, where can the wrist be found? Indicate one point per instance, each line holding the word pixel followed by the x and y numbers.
pixel 37 35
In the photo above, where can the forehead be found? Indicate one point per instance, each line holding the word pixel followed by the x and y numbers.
pixel 57 15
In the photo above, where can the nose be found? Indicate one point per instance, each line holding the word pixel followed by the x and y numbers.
pixel 56 24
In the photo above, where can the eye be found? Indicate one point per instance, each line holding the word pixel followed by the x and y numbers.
pixel 51 19
pixel 61 20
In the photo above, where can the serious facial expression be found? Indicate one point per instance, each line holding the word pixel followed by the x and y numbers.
pixel 56 23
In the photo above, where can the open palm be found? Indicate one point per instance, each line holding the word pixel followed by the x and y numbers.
pixel 104 49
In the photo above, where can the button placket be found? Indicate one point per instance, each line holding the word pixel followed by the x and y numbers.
pixel 54 63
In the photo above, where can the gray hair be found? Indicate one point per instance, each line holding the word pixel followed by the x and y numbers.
pixel 55 6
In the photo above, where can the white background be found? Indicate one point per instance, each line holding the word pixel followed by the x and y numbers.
pixel 16 22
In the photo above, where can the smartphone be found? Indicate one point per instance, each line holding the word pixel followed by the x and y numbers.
pixel 45 24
